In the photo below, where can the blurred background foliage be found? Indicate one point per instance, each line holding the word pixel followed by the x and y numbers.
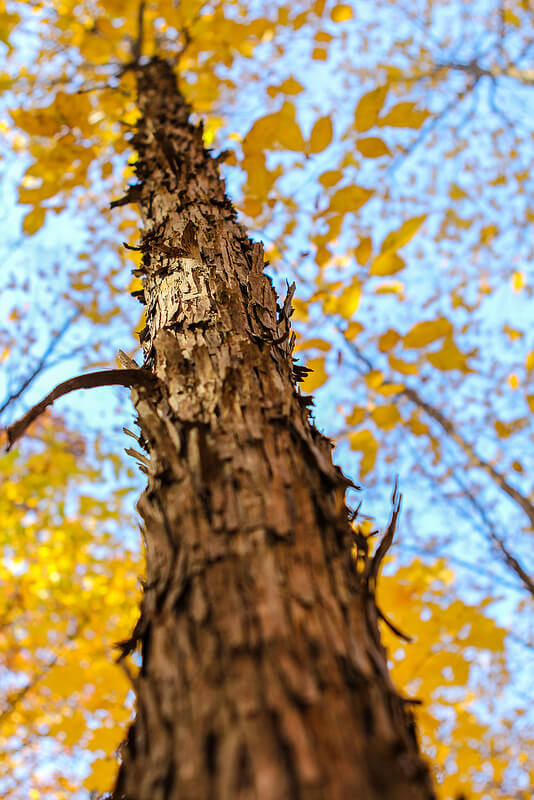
pixel 383 152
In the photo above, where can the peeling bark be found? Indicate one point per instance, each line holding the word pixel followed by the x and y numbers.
pixel 262 675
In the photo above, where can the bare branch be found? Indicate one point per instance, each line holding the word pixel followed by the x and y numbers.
pixel 108 377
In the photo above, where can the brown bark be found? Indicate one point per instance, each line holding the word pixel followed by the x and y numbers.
pixel 262 673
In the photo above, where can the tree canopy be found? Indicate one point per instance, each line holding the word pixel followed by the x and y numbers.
pixel 383 152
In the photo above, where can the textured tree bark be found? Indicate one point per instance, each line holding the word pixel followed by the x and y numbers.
pixel 262 672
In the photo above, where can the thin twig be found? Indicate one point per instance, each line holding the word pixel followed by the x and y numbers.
pixel 42 362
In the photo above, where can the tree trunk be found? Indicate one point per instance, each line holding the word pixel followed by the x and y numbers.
pixel 262 675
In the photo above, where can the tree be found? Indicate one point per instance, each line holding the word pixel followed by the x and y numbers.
pixel 257 636
pixel 80 127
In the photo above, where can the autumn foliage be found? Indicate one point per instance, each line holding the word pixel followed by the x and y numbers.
pixel 382 152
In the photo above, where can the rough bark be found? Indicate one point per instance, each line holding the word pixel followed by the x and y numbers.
pixel 262 672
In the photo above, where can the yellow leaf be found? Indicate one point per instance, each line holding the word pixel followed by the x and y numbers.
pixel 404 367
pixel 352 330
pixel 513 381
pixel 280 129
pixel 391 287
pixel 357 415
pixel 388 340
pixel 319 54
pixel 416 426
pixel 517 466
pixel 330 178
pixel 530 401
pixel 518 281
pixel 423 333
pixel 488 233
pixel 506 429
pixel 349 300
pixel 289 134
pixel 103 771
pixel 386 417
pixel 368 108
pixel 404 115
pixel 449 357
pixel 529 360
pixel 289 86
pixel 512 333
pixel 389 389
pixel 321 135
pixel 38 121
pixel 317 377
pixel 363 251
pixel 397 239
pixel 364 441
pixel 387 264
pixel 456 192
pixel 350 198
pixel 319 344
pixel 374 378
pixel 34 220
pixel 73 728
pixel 511 18
pixel 372 147
pixel 106 738
pixel 341 13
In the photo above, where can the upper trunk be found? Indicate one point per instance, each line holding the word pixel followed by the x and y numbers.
pixel 262 672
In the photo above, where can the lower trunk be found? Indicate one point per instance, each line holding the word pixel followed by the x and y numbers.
pixel 262 672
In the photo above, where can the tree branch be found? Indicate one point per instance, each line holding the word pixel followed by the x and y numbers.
pixel 107 377
pixel 447 426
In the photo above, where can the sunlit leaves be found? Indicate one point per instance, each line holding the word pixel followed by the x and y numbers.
pixel 318 375
pixel 372 147
pixel 341 13
pixel 404 367
pixel 330 178
pixel 393 157
pixel 386 417
pixel 388 340
pixel 402 236
pixel 428 331
pixel 280 129
pixel 518 281
pixel 66 599
pixel 34 220
pixel 290 86
pixel 363 250
pixel 349 300
pixel 364 441
pixel 8 20
pixel 449 357
pixel 369 107
pixel 404 115
pixel 356 416
pixel 387 263
pixel 350 198
pixel 321 135
pixel 413 596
